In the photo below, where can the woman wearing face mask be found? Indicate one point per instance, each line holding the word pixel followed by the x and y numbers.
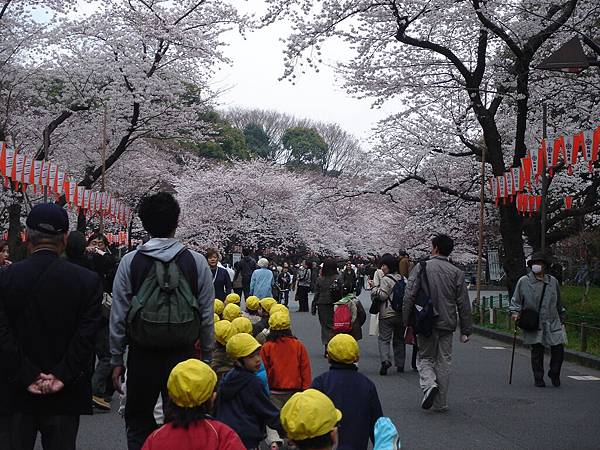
pixel 540 292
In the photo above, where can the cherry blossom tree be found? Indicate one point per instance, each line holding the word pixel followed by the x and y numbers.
pixel 463 73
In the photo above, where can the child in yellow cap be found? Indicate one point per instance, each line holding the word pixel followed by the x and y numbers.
pixel 232 311
pixel 252 308
pixel 218 308
pixel 286 360
pixel 191 387
pixel 352 392
pixel 221 363
pixel 310 420
pixel 241 402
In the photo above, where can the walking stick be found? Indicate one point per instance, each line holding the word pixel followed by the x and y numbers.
pixel 512 359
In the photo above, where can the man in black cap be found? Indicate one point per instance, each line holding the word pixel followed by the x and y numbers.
pixel 49 314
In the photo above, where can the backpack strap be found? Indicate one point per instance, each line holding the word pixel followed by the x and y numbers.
pixel 142 264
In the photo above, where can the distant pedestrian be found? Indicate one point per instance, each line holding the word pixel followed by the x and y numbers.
pixel 4 254
pixel 154 345
pixel 311 420
pixel 448 291
pixel 237 285
pixel 284 283
pixel 247 266
pixel 220 275
pixel 323 301
pixel 404 264
pixel 241 401
pixel 49 316
pixel 286 360
pixel 348 277
pixel 391 325
pixel 261 283
pixel 540 292
pixel 188 425
pixel 303 283
pixel 352 392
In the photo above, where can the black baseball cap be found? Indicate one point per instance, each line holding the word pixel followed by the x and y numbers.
pixel 48 218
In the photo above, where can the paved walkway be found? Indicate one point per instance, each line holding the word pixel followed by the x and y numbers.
pixel 486 413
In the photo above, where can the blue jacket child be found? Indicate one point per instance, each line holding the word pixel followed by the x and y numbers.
pixel 351 392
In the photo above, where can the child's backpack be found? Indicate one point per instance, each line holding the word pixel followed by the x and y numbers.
pixel 397 296
pixel 164 311
pixel 342 318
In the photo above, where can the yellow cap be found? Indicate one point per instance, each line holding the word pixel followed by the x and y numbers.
pixel 231 312
pixel 223 331
pixel 278 308
pixel 242 325
pixel 219 306
pixel 216 318
pixel 253 303
pixel 233 298
pixel 343 348
pixel 308 415
pixel 191 383
pixel 241 345
pixel 280 321
pixel 267 302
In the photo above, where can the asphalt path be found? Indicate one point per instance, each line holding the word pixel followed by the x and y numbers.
pixel 485 411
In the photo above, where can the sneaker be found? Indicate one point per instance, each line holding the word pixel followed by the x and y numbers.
pixel 539 383
pixel 429 397
pixel 384 367
pixel 100 403
pixel 555 379
pixel 441 409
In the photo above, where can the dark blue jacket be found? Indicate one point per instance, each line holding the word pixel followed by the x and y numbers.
pixel 49 315
pixel 243 405
pixel 221 281
pixel 356 397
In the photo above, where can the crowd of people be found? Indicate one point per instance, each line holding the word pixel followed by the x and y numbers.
pixel 203 356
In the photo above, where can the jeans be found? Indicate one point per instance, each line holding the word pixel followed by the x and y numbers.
pixel 101 379
pixel 147 374
pixel 58 432
pixel 435 358
pixel 392 330
pixel 302 297
pixel 557 354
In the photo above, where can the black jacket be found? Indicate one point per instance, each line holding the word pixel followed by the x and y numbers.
pixel 47 325
pixel 356 397
pixel 243 405
pixel 247 265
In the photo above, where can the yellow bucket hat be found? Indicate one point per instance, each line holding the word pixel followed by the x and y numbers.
pixel 278 308
pixel 242 325
pixel 233 298
pixel 231 312
pixel 216 318
pixel 219 306
pixel 253 303
pixel 267 302
pixel 280 321
pixel 223 331
pixel 308 415
pixel 241 345
pixel 191 383
pixel 343 348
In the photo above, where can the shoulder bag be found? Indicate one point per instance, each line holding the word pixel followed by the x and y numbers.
pixel 529 320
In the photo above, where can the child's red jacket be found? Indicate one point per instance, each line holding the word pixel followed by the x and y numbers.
pixel 208 434
pixel 287 364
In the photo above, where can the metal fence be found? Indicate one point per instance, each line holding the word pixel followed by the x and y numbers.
pixel 583 333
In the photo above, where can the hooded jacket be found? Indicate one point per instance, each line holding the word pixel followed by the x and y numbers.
pixel 164 250
pixel 356 397
pixel 243 405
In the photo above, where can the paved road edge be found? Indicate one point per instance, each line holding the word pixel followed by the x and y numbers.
pixel 574 356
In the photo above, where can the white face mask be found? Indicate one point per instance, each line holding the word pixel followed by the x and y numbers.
pixel 536 268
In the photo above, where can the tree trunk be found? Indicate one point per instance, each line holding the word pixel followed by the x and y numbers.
pixel 81 221
pixel 513 258
pixel 16 247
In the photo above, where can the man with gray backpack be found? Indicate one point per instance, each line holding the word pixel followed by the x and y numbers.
pixel 162 310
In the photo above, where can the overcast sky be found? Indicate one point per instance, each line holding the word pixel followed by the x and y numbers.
pixel 257 63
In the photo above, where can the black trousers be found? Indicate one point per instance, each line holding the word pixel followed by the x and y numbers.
pixel 557 353
pixel 58 432
pixel 147 374
pixel 246 288
pixel 302 297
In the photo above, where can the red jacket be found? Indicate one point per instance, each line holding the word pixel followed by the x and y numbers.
pixel 287 364
pixel 205 434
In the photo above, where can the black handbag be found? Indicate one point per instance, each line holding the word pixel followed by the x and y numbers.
pixel 529 319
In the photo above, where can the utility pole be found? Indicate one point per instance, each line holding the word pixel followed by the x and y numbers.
pixel 103 150
pixel 544 179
